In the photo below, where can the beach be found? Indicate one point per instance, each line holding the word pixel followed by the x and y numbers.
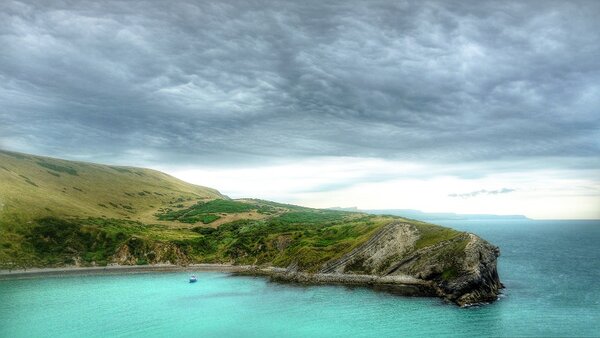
pixel 116 269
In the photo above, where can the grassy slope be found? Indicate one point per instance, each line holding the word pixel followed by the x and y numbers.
pixel 55 212
pixel 35 186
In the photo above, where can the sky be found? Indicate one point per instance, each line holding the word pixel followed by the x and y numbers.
pixel 441 106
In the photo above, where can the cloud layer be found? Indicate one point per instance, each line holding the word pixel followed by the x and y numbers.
pixel 241 82
pixel 482 192
pixel 395 104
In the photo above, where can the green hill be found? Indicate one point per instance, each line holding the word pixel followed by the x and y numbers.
pixel 34 186
pixel 56 212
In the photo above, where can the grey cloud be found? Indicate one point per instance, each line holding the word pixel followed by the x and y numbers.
pixel 253 81
pixel 482 192
pixel 344 183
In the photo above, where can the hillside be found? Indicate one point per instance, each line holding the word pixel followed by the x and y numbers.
pixel 56 212
pixel 35 186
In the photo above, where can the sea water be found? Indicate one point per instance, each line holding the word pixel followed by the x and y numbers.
pixel 551 270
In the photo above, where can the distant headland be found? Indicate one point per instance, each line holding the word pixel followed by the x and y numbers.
pixel 431 216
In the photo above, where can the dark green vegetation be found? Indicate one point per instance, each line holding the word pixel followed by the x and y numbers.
pixel 54 242
pixel 299 238
pixel 280 243
pixel 432 234
pixel 57 241
pixel 57 168
pixel 205 212
pixel 55 212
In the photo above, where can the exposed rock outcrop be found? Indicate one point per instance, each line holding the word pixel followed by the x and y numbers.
pixel 139 251
pixel 461 269
pixel 478 281
pixel 375 256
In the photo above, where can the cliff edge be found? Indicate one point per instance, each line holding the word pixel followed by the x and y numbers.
pixel 461 269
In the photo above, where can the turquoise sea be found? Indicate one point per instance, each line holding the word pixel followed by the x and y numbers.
pixel 551 270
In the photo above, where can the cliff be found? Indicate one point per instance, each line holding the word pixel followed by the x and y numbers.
pixel 461 270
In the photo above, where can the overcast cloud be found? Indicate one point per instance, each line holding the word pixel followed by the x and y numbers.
pixel 221 83
pixel 482 192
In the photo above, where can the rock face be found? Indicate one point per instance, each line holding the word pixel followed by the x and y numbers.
pixel 461 269
pixel 137 251
pixel 479 281
pixel 377 255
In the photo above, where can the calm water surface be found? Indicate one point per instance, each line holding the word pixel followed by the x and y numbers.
pixel 551 270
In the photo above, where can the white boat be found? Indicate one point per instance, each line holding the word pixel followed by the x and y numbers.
pixel 193 279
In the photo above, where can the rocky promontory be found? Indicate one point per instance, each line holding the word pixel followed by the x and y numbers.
pixel 461 270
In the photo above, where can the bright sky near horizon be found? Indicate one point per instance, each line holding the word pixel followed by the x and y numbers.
pixel 467 106
pixel 380 184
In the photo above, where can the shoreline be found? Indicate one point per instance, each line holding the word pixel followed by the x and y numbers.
pixel 116 269
pixel 402 285
pixel 273 273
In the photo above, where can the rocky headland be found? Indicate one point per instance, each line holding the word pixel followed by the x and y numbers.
pixel 58 214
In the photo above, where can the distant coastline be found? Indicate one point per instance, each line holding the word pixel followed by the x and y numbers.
pixel 432 216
